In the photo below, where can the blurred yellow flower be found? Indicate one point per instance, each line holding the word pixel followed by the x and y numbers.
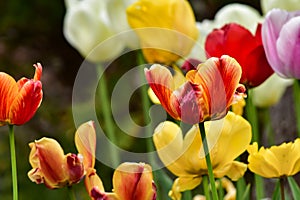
pixel 275 162
pixel 166 28
pixel 184 157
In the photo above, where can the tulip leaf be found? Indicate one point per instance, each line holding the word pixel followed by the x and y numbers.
pixel 294 187
pixel 276 193
pixel 246 193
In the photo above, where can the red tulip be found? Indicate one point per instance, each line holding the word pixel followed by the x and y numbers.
pixel 207 93
pixel 238 42
pixel 20 100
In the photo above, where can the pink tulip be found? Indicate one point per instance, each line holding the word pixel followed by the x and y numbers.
pixel 281 41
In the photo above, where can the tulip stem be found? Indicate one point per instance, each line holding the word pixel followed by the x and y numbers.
pixel 13 161
pixel 208 162
pixel 205 187
pixel 296 88
pixel 281 180
pixel 105 107
pixel 71 193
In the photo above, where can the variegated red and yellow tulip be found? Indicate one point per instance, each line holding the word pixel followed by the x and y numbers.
pixel 207 93
pixel 51 166
pixel 130 181
pixel 55 169
pixel 20 100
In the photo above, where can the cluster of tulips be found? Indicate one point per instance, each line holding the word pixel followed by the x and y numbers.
pixel 204 74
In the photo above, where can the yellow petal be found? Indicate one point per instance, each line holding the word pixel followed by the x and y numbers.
pixel 168 142
pixel 92 180
pixel 232 140
pixel 182 184
pixel 236 170
pixel 134 181
pixel 85 141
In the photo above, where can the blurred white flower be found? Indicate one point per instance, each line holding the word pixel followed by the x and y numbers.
pixel 289 5
pixel 244 15
pixel 88 23
pixel 270 92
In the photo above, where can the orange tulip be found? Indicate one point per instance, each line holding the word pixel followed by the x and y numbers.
pixel 130 181
pixel 51 166
pixel 20 100
pixel 206 94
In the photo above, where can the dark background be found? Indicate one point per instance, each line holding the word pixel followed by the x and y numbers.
pixel 30 32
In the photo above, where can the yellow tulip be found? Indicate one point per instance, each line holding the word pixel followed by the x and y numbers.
pixel 166 28
pixel 185 158
pixel 276 161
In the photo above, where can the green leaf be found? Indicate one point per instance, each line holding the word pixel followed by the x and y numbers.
pixel 276 193
pixel 294 187
pixel 246 193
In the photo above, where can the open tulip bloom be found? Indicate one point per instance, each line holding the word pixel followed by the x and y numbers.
pixel 206 94
pixel 20 100
pixel 185 158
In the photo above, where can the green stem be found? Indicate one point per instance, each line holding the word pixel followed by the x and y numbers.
pixel 71 193
pixel 251 112
pixel 13 162
pixel 205 187
pixel 208 162
pixel 105 107
pixel 146 106
pixel 268 126
pixel 282 188
pixel 296 89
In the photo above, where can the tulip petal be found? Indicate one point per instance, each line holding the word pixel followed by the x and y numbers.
pixel 182 184
pixel 288 47
pixel 168 142
pixel 134 181
pixel 93 182
pixel 8 91
pixel 26 102
pixel 161 81
pixel 236 171
pixel 75 168
pixel 85 141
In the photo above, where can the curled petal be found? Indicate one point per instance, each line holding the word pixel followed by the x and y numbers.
pixel 182 184
pixel 93 183
pixel 85 141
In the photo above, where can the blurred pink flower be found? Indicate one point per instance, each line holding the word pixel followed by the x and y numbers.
pixel 281 41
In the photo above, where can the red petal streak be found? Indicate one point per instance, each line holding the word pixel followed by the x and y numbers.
pixel 75 168
pixel 161 82
pixel 26 102
pixel 8 92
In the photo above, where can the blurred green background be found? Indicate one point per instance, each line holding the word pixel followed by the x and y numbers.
pixel 30 32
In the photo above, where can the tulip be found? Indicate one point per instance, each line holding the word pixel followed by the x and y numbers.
pixel 166 28
pixel 275 87
pixel 242 14
pixel 251 55
pixel 89 26
pixel 290 5
pixel 51 166
pixel 280 37
pixel 276 161
pixel 206 94
pixel 130 181
pixel 20 100
pixel 185 157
